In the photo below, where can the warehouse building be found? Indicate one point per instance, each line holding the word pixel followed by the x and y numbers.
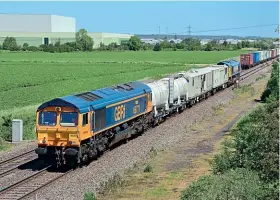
pixel 45 29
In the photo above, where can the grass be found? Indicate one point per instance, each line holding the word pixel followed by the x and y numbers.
pixel 28 79
pixel 245 91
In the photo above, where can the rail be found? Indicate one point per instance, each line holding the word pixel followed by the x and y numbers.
pixel 31 184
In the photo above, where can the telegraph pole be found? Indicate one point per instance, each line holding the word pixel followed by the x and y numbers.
pixel 167 33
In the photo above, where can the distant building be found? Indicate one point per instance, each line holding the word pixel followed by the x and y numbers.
pixel 175 40
pixel 204 41
pixel 45 29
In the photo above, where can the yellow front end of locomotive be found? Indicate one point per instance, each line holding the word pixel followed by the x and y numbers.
pixel 61 127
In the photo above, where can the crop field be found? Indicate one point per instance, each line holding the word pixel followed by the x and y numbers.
pixel 28 79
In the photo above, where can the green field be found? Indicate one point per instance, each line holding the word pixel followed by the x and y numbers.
pixel 28 79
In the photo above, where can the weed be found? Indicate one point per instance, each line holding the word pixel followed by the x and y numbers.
pixel 245 90
pixel 218 109
pixel 153 152
pixel 148 168
pixel 4 145
pixel 89 196
pixel 261 77
pixel 112 184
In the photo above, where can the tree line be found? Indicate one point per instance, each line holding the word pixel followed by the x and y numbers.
pixel 83 42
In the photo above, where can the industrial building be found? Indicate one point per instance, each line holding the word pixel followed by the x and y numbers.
pixel 45 29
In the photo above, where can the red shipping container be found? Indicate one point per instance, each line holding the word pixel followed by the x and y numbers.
pixel 272 53
pixel 246 60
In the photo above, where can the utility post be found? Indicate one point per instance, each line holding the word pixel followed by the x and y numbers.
pixel 189 30
pixel 158 32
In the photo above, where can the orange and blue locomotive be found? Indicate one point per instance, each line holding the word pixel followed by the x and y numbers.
pixel 77 128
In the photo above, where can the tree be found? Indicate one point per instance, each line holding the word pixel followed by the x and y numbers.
pixel 239 45
pixel 83 41
pixel 225 43
pixel 192 44
pixel 10 43
pixel 208 47
pixel 57 43
pixel 157 47
pixel 134 43
pixel 25 47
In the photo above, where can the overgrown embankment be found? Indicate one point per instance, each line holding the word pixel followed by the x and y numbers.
pixel 248 166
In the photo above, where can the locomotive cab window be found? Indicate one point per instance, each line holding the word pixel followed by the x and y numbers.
pixel 69 119
pixel 47 118
pixel 85 119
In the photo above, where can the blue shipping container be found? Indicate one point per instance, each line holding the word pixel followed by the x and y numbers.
pixel 256 57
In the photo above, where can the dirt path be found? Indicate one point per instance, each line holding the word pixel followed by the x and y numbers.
pixel 172 170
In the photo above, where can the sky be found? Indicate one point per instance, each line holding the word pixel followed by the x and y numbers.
pixel 172 17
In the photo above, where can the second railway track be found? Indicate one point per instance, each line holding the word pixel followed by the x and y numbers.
pixel 12 164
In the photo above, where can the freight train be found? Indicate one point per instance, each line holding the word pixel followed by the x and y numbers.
pixel 254 58
pixel 76 129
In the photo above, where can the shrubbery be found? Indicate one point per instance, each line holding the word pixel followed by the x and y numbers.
pixel 272 90
pixel 234 184
pixel 248 167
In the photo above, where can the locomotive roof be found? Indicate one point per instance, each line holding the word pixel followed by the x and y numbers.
pixel 96 99
pixel 232 63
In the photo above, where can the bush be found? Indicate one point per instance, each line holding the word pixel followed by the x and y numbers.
pixel 89 196
pixel 148 168
pixel 6 128
pixel 33 48
pixel 239 184
pixel 255 144
pixel 272 88
pixel 157 47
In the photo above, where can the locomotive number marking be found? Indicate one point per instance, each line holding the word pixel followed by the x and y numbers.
pixel 119 112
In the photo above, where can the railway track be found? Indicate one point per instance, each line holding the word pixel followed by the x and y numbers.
pixel 12 164
pixel 47 175
pixel 31 184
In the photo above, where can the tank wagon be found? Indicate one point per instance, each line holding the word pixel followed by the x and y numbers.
pixel 76 129
pixel 254 58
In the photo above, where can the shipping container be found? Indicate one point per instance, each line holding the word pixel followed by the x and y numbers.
pixel 261 55
pixel 256 57
pixel 264 55
pixel 269 56
pixel 246 60
pixel 272 53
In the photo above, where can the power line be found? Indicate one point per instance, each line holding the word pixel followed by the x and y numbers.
pixel 212 30
pixel 244 27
